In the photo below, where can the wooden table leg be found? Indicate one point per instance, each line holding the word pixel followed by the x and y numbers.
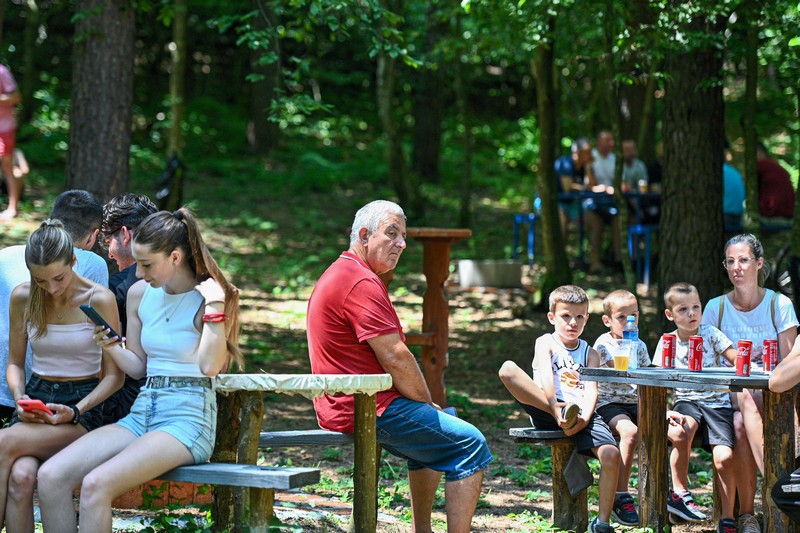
pixel 653 480
pixel 365 469
pixel 436 315
pixel 779 446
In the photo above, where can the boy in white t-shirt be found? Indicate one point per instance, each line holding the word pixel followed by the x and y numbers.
pixel 708 411
pixel 556 398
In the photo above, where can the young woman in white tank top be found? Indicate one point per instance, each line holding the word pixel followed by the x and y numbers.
pixel 67 367
pixel 182 331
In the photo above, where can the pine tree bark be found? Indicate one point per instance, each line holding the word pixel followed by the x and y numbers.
pixel 691 220
pixel 102 98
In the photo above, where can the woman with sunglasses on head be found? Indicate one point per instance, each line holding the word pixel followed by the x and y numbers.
pixel 71 376
pixel 182 331
pixel 753 313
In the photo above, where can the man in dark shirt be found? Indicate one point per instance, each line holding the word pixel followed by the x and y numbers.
pixel 121 216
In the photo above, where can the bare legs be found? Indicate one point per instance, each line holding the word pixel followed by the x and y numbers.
pixel 461 498
pixel 14 185
pixel 628 442
pixel 16 443
pixel 110 461
pixel 609 458
pixel 596 225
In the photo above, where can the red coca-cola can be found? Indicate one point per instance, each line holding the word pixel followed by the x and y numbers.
pixel 770 354
pixel 696 353
pixel 668 350
pixel 745 349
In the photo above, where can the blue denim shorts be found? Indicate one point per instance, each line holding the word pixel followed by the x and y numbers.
pixel 187 413
pixel 65 393
pixel 428 438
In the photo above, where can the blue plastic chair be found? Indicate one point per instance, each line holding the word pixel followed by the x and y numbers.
pixel 636 233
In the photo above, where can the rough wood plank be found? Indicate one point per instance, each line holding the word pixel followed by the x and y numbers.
pixel 536 434
pixel 779 411
pixel 236 475
pixel 653 480
pixel 251 505
pixel 365 470
pixel 569 513
pixel 225 450
pixel 269 439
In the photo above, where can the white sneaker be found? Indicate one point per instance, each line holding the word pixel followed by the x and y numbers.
pixel 748 524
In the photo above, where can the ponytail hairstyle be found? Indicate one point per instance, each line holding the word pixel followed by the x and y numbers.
pixel 163 232
pixel 757 250
pixel 47 245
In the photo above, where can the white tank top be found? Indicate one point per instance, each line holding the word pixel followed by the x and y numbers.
pixel 169 337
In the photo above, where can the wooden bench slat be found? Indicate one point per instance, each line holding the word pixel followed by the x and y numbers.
pixel 533 435
pixel 240 475
pixel 301 438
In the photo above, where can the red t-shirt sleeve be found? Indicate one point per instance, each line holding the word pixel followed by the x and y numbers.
pixel 370 312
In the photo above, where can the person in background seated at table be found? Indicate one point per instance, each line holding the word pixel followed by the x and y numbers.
pixel 707 411
pixel 732 194
pixel 754 313
pixel 556 398
pixel 602 211
pixel 775 190
pixel 66 364
pixel 83 215
pixel 617 404
pixel 121 216
pixel 182 331
pixel 572 172
pixel 353 328
pixel 634 173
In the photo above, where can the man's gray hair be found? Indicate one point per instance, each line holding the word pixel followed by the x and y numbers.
pixel 370 217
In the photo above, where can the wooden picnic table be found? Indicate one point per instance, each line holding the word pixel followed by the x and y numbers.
pixel 654 383
pixel 362 387
pixel 434 339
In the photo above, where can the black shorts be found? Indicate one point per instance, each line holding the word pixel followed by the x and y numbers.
pixel 594 435
pixel 65 393
pixel 118 405
pixel 716 423
pixel 610 411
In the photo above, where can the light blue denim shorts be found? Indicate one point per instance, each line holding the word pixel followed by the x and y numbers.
pixel 429 438
pixel 188 413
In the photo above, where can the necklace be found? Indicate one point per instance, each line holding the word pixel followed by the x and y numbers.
pixel 168 316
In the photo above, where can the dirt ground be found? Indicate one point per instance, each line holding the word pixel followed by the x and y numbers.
pixel 487 327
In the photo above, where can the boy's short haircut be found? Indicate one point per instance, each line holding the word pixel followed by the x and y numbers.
pixel 677 289
pixel 568 294
pixel 620 295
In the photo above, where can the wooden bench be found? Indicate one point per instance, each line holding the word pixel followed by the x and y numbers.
pixel 241 412
pixel 262 480
pixel 569 513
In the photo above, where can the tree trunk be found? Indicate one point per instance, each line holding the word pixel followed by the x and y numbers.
pixel 263 134
pixel 749 117
pixel 102 97
pixel 395 160
pixel 555 251
pixel 177 80
pixel 26 84
pixel 465 213
pixel 177 96
pixel 691 220
pixel 429 104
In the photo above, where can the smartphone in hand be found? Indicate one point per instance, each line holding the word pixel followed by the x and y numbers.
pixel 95 317
pixel 34 405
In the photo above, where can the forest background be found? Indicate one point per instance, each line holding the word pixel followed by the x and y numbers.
pixel 290 115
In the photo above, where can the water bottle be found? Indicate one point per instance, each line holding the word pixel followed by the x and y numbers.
pixel 630 336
